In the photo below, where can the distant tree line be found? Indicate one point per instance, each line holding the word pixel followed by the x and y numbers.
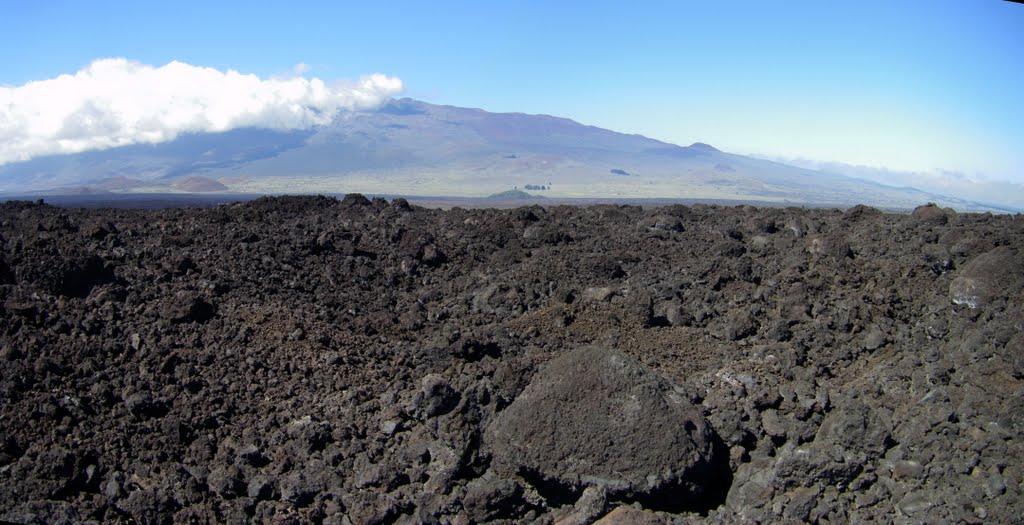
pixel 536 187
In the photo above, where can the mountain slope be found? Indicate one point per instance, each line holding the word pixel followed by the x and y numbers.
pixel 415 148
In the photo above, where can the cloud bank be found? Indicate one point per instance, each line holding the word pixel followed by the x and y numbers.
pixel 116 102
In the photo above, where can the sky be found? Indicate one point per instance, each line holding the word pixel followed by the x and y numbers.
pixel 926 87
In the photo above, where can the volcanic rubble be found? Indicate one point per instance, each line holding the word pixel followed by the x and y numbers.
pixel 310 359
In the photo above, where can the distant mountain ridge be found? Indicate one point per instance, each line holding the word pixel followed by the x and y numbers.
pixel 412 147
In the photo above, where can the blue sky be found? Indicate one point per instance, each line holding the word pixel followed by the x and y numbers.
pixel 928 86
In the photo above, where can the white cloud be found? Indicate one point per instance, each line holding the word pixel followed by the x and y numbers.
pixel 115 102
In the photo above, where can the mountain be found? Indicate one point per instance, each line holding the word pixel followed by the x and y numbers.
pixel 998 194
pixel 411 147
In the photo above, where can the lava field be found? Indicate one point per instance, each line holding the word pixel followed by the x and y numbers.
pixel 355 361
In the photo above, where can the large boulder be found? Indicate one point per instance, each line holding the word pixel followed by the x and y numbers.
pixel 596 417
pixel 995 273
pixel 932 214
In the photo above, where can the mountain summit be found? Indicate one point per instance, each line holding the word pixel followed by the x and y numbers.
pixel 700 146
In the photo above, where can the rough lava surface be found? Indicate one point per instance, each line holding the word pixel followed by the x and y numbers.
pixel 314 360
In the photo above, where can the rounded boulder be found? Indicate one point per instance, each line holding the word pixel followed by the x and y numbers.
pixel 596 417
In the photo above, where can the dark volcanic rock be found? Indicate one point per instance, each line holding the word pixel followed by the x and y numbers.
pixel 187 307
pixel 70 276
pixel 316 360
pixel 594 416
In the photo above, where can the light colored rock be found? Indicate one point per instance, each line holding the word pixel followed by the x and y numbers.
pixel 915 503
pixel 630 516
pixel 875 339
pixel 907 469
pixel 772 423
pixel 598 294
